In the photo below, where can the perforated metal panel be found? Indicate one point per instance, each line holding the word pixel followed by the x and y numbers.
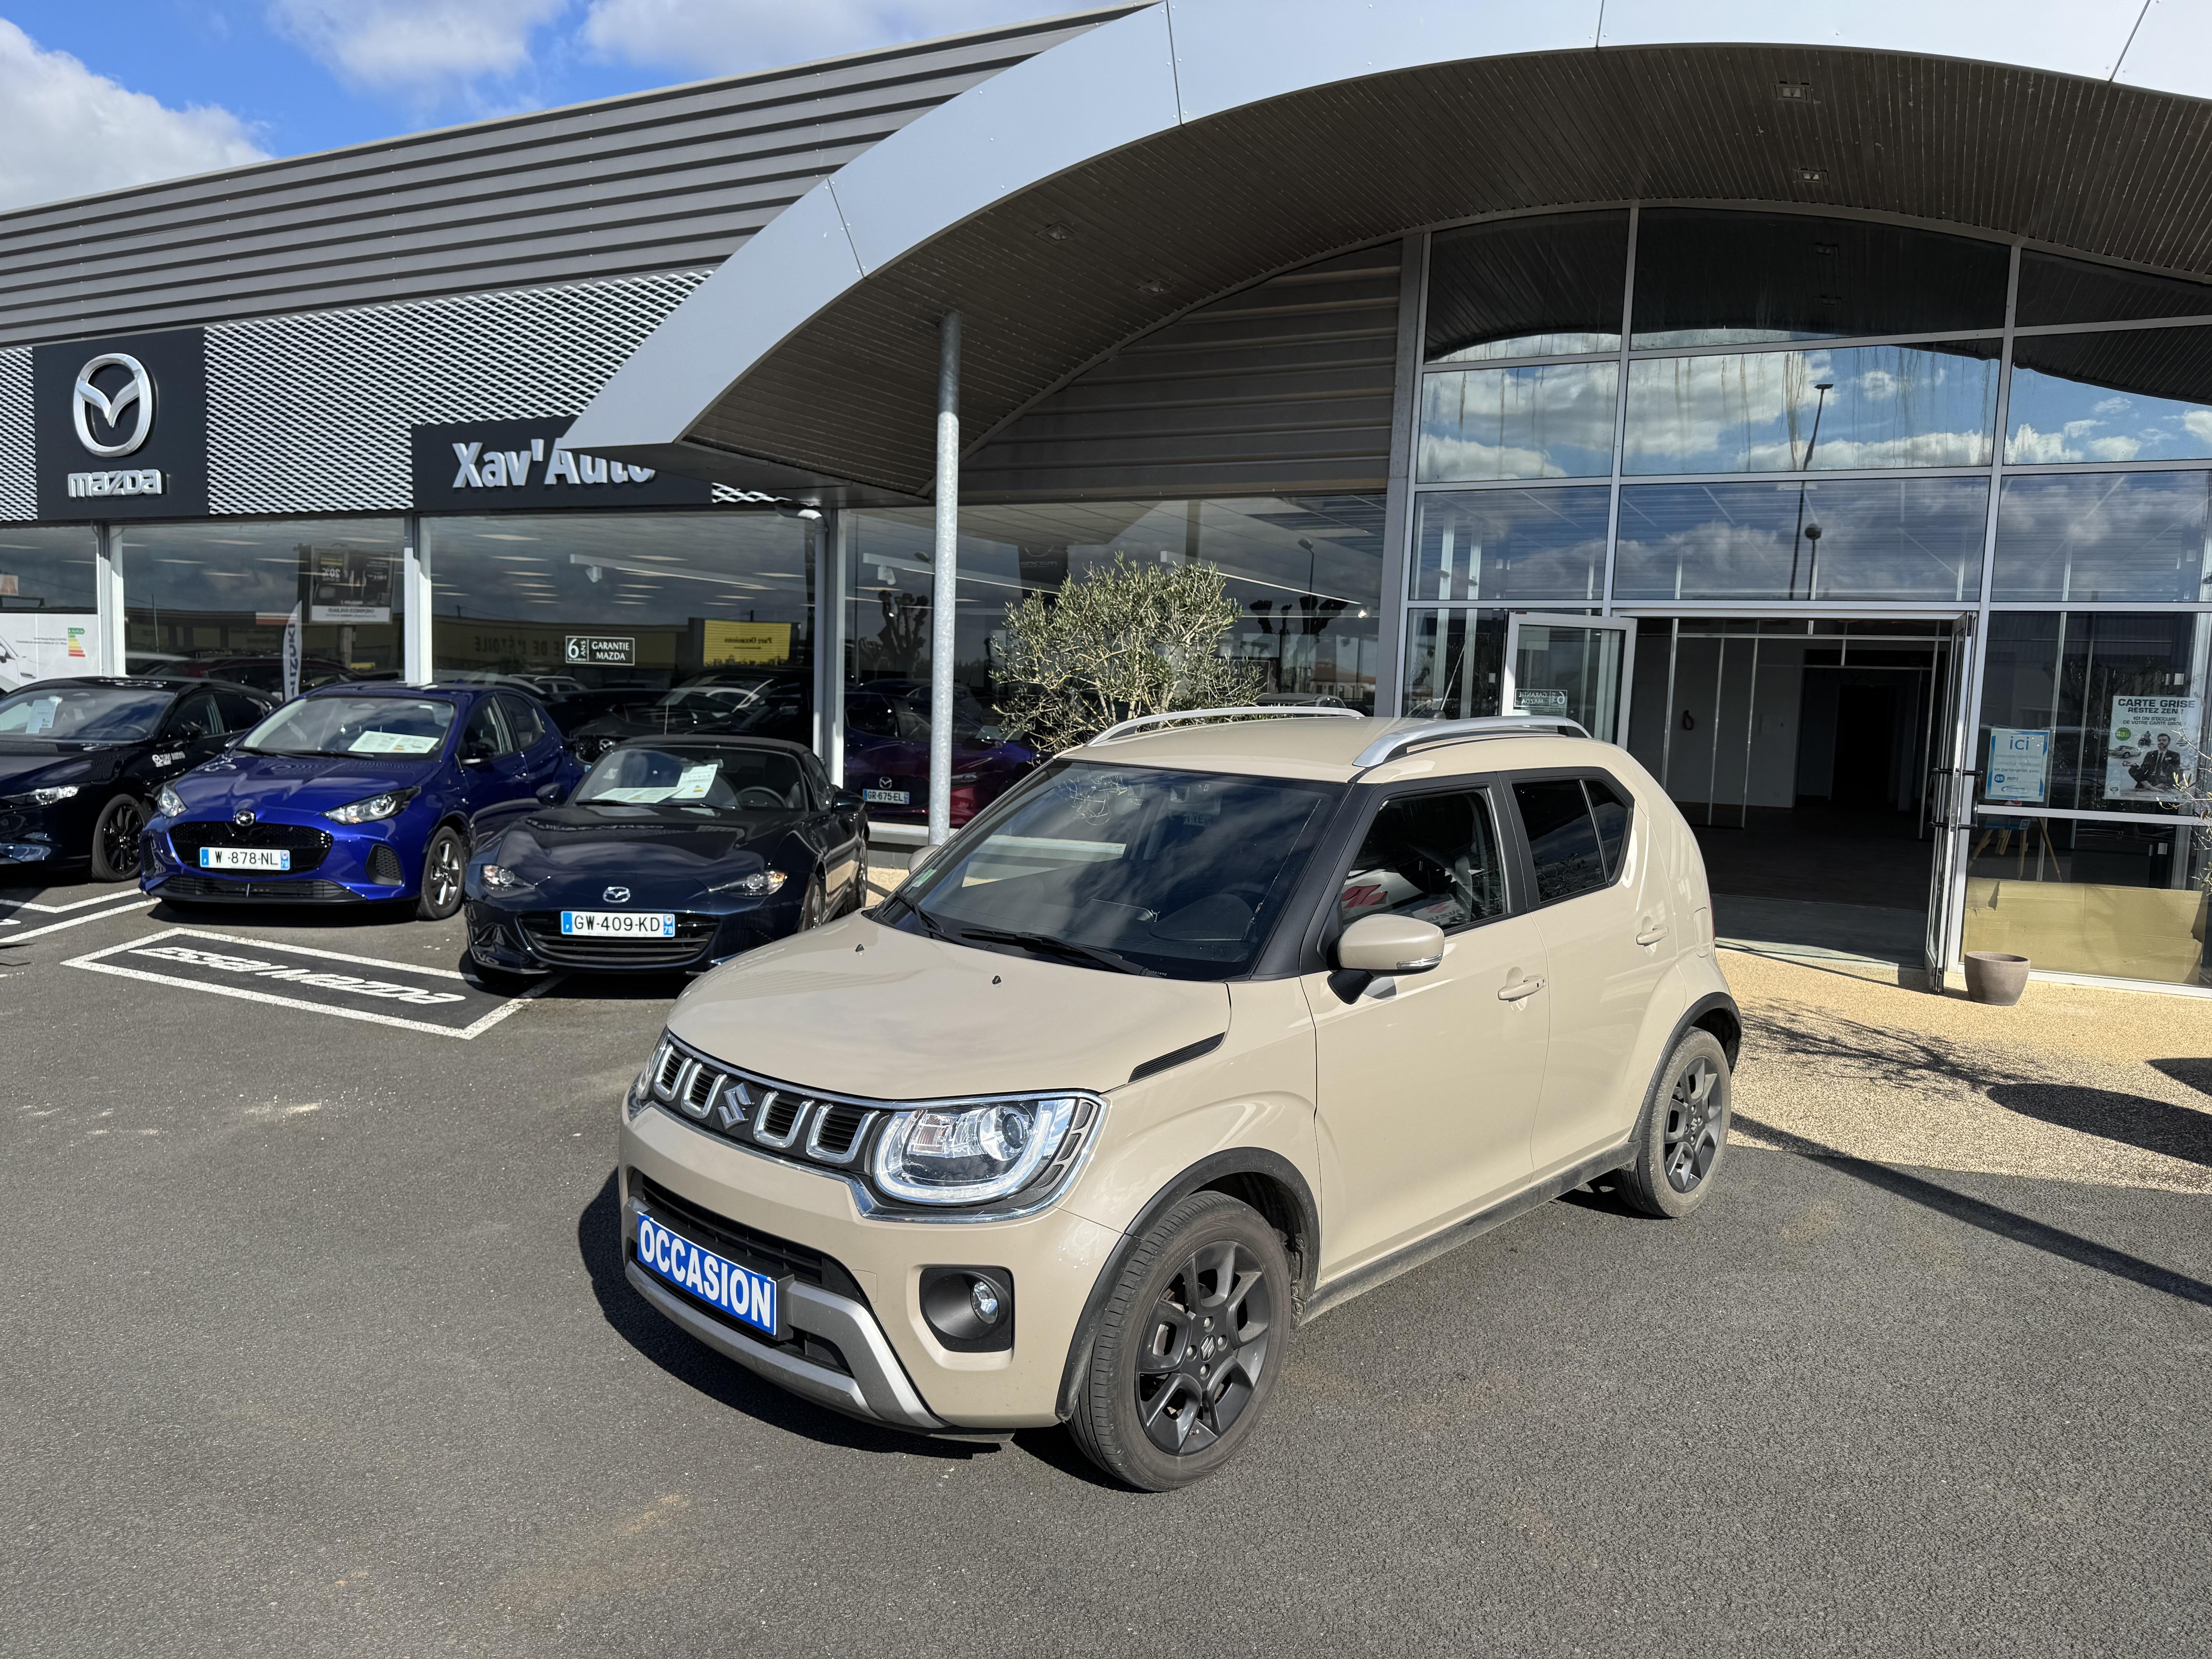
pixel 19 483
pixel 310 413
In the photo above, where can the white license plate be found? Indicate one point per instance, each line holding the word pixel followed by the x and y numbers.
pixel 885 797
pixel 751 1298
pixel 620 924
pixel 245 858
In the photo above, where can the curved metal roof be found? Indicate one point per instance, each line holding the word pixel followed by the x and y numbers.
pixel 1110 184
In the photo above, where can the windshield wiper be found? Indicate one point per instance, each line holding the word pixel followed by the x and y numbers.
pixel 1048 946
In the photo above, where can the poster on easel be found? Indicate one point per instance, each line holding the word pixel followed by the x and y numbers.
pixel 2150 752
pixel 44 645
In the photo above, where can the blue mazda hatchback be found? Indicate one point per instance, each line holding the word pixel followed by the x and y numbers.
pixel 353 792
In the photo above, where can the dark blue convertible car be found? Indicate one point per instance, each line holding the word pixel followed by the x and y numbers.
pixel 353 793
pixel 674 853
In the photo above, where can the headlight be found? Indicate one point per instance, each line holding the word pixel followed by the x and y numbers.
pixel 971 1154
pixel 40 797
pixel 754 885
pixel 500 880
pixel 168 803
pixel 368 811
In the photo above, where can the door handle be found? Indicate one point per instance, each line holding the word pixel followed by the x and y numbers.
pixel 1653 931
pixel 1520 988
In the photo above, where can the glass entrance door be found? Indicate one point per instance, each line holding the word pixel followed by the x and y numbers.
pixel 1950 800
pixel 1577 667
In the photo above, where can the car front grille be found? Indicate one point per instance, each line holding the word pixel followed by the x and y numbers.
pixel 694 934
pixel 187 887
pixel 308 846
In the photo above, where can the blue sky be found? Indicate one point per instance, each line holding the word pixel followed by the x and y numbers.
pixel 98 96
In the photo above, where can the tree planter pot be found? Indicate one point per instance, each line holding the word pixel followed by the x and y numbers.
pixel 1995 978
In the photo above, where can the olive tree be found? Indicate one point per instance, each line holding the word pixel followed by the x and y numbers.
pixel 1125 640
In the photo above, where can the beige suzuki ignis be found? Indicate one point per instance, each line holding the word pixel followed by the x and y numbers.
pixel 1204 1029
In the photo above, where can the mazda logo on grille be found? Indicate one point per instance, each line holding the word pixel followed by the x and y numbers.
pixel 134 394
pixel 243 817
pixel 617 896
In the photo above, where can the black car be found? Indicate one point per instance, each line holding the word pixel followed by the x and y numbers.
pixel 773 706
pixel 673 853
pixel 81 761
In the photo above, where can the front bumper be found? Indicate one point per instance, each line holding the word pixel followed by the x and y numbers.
pixel 361 863
pixel 524 936
pixel 1053 1257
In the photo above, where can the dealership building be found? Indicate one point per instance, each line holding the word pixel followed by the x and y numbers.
pixel 1815 399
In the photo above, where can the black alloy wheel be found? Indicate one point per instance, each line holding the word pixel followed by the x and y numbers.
pixel 1205 1347
pixel 1681 1139
pixel 115 839
pixel 1177 1366
pixel 441 877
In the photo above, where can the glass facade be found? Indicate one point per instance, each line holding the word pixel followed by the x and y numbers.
pixel 49 567
pixel 213 597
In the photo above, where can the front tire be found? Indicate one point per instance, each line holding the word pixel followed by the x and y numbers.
pixel 815 910
pixel 1187 1351
pixel 1681 1139
pixel 115 839
pixel 440 894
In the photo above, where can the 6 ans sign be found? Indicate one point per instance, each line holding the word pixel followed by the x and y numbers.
pixel 473 465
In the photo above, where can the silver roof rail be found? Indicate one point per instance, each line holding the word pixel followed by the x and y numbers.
pixel 1392 744
pixel 1292 710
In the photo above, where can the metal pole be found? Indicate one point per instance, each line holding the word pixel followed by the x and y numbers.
pixel 945 592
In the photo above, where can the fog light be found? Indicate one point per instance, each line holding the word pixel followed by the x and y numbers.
pixel 969 1310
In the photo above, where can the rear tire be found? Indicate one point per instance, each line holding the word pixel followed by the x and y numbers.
pixel 816 910
pixel 1681 1139
pixel 1186 1352
pixel 115 839
pixel 442 865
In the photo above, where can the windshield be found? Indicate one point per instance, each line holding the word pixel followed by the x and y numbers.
pixel 354 725
pixel 703 781
pixel 84 713
pixel 1136 868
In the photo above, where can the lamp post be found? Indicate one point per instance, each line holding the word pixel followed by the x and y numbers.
pixel 1800 533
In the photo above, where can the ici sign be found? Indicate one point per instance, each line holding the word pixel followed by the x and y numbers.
pixel 478 465
pixel 139 402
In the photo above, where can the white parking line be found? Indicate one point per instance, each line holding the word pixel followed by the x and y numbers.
pixel 74 904
pixel 94 962
pixel 78 921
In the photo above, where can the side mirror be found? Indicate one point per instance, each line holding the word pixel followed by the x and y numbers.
pixel 551 793
pixel 846 800
pixel 1391 945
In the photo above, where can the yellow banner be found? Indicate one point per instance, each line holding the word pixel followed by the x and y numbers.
pixel 736 641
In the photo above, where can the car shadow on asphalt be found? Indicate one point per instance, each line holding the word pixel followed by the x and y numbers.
pixel 2150 1126
pixel 369 913
pixel 599 1241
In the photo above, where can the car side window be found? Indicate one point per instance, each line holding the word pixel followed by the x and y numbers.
pixel 1433 858
pixel 1610 810
pixel 522 720
pixel 195 716
pixel 240 713
pixel 1563 837
pixel 870 715
pixel 486 733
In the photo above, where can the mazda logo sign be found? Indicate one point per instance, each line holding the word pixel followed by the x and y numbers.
pixel 135 396
pixel 617 896
pixel 243 817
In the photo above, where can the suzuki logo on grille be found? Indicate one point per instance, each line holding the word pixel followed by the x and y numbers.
pixel 243 817
pixel 616 896
pixel 135 392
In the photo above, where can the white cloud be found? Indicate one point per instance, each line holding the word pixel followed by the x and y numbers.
pixel 72 132
pixel 726 36
pixel 427 48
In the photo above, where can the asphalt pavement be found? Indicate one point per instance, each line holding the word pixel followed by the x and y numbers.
pixel 315 1341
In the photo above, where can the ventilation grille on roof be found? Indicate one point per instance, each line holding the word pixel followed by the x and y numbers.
pixel 310 413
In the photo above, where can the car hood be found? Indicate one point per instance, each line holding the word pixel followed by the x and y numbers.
pixel 861 1009
pixel 301 783
pixel 577 842
pixel 28 765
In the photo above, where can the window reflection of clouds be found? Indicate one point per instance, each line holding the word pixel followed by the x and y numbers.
pixel 2126 395
pixel 2103 536
pixel 1890 406
pixel 1881 539
pixel 1508 544
pixel 1554 421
